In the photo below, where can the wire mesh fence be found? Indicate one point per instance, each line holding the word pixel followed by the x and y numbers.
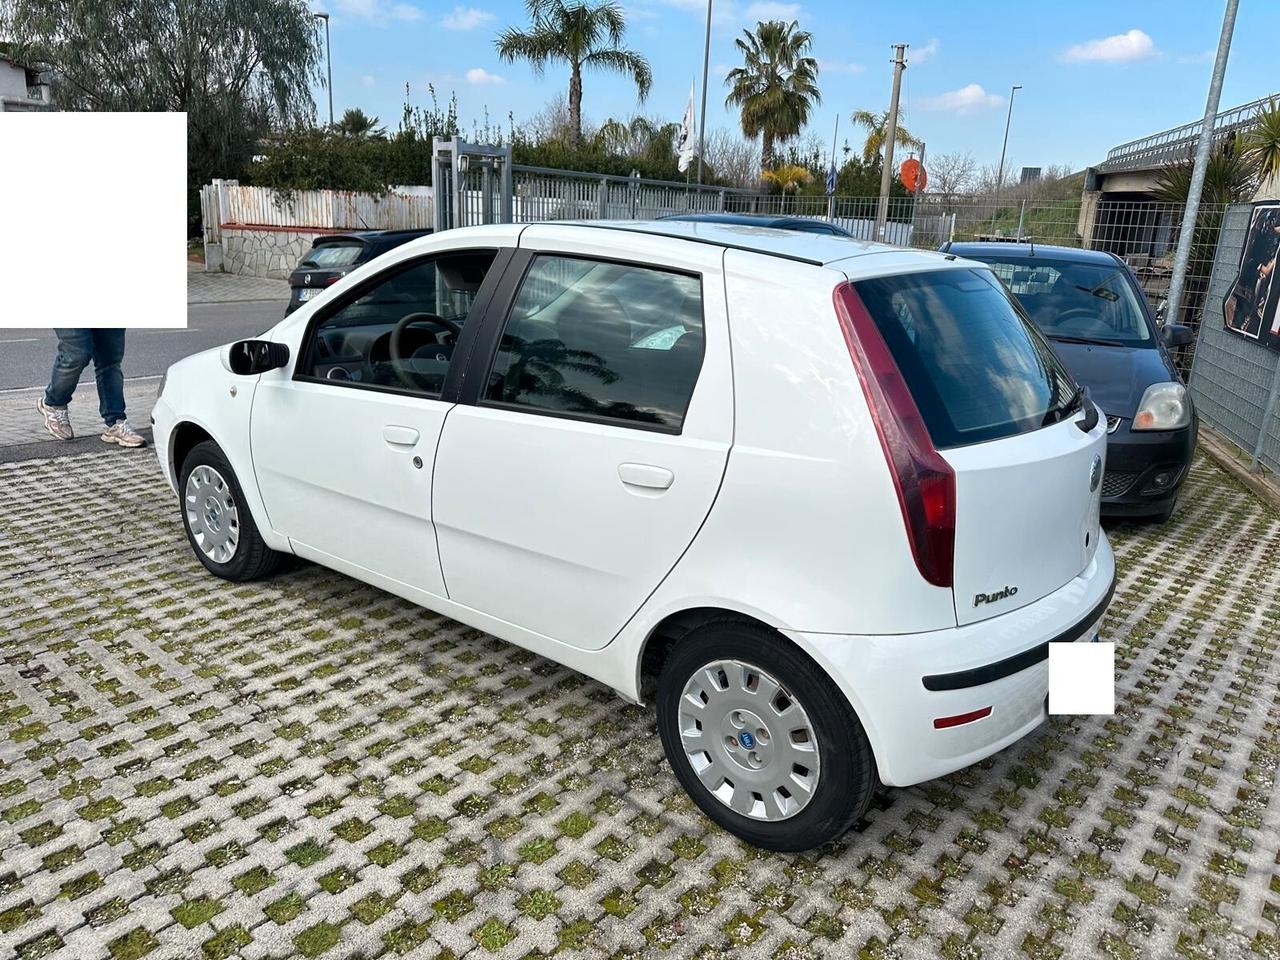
pixel 1235 380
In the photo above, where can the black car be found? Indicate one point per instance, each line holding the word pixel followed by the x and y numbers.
pixel 803 224
pixel 1088 303
pixel 334 255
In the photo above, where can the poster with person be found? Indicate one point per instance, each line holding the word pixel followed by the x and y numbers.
pixel 1249 307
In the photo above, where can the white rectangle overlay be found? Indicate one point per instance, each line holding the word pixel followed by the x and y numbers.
pixel 1082 678
pixel 93 219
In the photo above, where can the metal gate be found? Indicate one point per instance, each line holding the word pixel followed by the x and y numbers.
pixel 470 183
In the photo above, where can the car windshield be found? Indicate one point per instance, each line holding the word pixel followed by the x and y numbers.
pixel 332 255
pixel 1077 301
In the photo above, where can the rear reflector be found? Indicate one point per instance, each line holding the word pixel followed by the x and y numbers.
pixel 943 722
pixel 925 483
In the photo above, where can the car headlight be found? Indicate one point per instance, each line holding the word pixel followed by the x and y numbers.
pixel 1164 406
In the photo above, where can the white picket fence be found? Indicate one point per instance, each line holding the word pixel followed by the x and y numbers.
pixel 226 203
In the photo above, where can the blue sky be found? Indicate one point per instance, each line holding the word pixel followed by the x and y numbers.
pixel 1094 73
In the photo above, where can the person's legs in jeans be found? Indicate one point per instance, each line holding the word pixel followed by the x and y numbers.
pixel 75 348
pixel 108 351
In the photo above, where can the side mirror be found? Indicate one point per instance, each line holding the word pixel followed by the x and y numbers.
pixel 248 357
pixel 1176 334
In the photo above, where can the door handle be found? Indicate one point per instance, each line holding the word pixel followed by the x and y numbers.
pixel 400 436
pixel 645 475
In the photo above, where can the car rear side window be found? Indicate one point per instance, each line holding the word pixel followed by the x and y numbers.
pixel 602 340
pixel 976 367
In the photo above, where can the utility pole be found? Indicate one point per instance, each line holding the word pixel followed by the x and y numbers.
pixel 890 134
pixel 1203 146
pixel 1003 147
pixel 702 117
pixel 328 59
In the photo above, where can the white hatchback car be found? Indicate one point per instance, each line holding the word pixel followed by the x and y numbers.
pixel 828 502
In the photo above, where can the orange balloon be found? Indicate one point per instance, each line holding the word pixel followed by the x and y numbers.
pixel 910 171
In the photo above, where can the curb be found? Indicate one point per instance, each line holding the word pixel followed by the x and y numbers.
pixel 87 445
pixel 1225 454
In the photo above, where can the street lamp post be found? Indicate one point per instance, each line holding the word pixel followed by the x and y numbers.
pixel 702 117
pixel 328 59
pixel 1005 146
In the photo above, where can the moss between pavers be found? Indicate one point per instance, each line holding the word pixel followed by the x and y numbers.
pixel 287 908
pixel 226 943
pixel 134 945
pixel 317 939
pixel 192 913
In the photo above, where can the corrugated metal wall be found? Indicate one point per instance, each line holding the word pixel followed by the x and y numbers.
pixel 1232 378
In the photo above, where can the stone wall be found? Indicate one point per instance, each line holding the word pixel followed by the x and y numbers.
pixel 265 252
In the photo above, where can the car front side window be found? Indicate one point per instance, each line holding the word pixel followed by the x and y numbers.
pixel 602 340
pixel 400 332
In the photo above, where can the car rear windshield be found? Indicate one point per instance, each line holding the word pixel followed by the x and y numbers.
pixel 1080 301
pixel 976 366
pixel 332 255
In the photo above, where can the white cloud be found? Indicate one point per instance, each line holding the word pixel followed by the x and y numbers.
pixel 368 80
pixel 772 10
pixel 1133 45
pixel 377 11
pixel 465 18
pixel 924 52
pixel 479 76
pixel 968 98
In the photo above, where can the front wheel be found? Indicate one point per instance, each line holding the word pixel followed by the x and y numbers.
pixel 218 523
pixel 762 739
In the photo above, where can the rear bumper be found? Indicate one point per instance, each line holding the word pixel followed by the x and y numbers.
pixel 1135 460
pixel 899 685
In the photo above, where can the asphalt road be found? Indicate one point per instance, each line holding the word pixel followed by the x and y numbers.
pixel 26 355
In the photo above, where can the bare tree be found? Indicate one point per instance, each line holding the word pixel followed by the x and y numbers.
pixel 951 175
pixel 733 159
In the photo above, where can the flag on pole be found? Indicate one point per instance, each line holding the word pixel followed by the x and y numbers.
pixel 831 179
pixel 685 143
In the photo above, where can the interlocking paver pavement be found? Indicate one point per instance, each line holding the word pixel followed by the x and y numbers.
pixel 20 423
pixel 227 287
pixel 311 767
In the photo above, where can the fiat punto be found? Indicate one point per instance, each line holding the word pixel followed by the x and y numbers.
pixel 825 502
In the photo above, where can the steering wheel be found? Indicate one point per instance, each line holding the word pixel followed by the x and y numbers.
pixel 394 345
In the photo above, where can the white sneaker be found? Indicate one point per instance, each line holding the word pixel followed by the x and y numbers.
pixel 56 420
pixel 120 432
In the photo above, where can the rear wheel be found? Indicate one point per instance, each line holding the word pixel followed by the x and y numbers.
pixel 762 739
pixel 218 524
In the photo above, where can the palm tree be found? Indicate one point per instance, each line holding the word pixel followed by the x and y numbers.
pixel 777 87
pixel 787 177
pixel 1262 143
pixel 876 125
pixel 358 125
pixel 581 34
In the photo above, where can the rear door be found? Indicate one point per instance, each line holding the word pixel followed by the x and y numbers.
pixel 585 458
pixel 1005 414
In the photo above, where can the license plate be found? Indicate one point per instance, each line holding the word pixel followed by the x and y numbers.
pixel 306 293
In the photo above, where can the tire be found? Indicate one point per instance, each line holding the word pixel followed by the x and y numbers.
pixel 843 777
pixel 229 544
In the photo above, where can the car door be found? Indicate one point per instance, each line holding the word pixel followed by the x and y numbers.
pixel 596 442
pixel 344 439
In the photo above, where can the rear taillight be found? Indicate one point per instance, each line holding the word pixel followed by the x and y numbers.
pixel 925 483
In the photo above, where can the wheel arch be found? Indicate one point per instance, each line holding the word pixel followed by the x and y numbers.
pixel 182 439
pixel 663 638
